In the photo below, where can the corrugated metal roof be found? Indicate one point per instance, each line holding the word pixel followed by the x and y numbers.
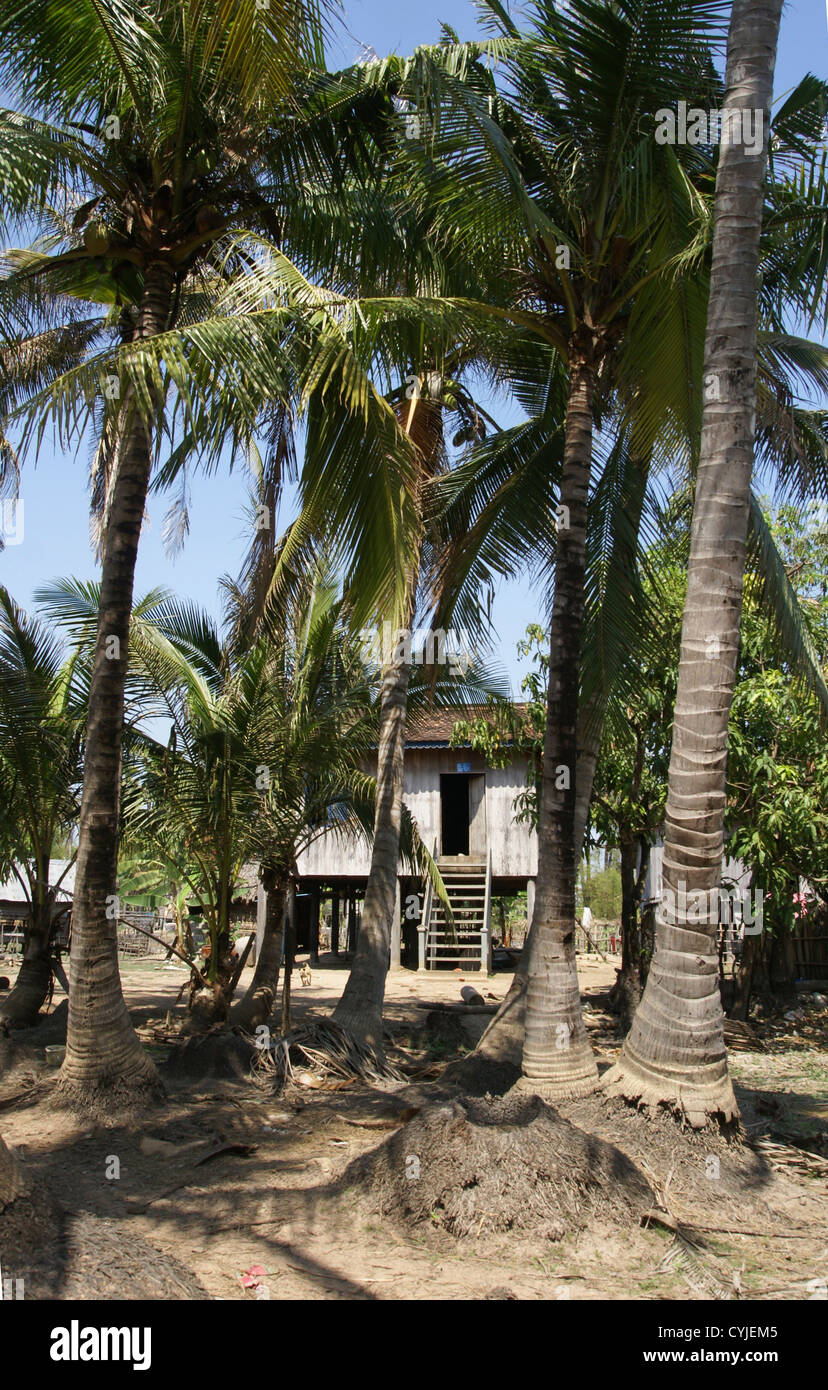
pixel 433 728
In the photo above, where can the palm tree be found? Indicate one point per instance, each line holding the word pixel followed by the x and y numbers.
pixel 41 742
pixel 361 1005
pixel 168 126
pixel 265 751
pixel 675 1053
pixel 665 325
pixel 426 350
pixel 567 177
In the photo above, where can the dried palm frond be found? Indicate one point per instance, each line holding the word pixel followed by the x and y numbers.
pixel 320 1055
pixel 790 1156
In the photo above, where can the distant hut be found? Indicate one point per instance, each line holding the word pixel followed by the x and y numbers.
pixel 464 811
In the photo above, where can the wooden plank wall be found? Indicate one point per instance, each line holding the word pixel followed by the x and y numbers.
pixel 514 846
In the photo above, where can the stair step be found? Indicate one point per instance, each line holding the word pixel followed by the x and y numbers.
pixel 455 955
pixel 465 877
pixel 458 923
pixel 457 933
pixel 468 963
pixel 459 928
pixel 473 910
pixel 437 945
pixel 462 873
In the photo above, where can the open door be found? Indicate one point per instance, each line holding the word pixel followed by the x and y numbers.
pixel 454 813
pixel 478 842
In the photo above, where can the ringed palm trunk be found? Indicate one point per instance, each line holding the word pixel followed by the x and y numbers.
pixel 105 1064
pixel 20 1008
pixel 503 1039
pixel 256 1005
pixel 626 992
pixel 360 1008
pixel 209 1000
pixel 290 953
pixel 675 1052
pixel 557 1057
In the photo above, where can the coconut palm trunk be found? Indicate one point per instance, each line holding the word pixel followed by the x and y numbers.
pixel 503 1039
pixel 360 1008
pixel 290 952
pixel 22 1005
pixel 675 1052
pixel 626 992
pixel 557 1056
pixel 256 1005
pixel 105 1063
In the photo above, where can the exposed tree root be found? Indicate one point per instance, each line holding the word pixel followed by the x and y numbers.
pixel 693 1171
pixel 709 1104
pixel 475 1165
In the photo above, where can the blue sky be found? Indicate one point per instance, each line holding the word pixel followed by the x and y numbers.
pixel 54 491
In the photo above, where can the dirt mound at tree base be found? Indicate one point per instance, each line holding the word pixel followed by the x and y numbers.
pixel 500 1164
pixel 63 1255
pixel 86 1257
pixel 709 1167
pixel 219 1056
pixel 99 1260
pixel 477 1075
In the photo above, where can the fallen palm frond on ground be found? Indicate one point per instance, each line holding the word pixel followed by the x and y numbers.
pixel 684 1258
pixel 320 1055
pixel 740 1037
pixel 790 1156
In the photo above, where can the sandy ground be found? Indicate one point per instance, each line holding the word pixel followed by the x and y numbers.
pixel 148 984
pixel 262 1201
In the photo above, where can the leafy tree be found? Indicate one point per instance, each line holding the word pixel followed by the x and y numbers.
pixel 675 1052
pixel 267 739
pixel 566 233
pixel 158 129
pixel 630 788
pixel 777 813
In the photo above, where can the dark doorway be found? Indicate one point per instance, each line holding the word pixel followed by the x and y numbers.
pixel 454 813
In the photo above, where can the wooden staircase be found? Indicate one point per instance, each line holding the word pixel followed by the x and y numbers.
pixel 461 938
